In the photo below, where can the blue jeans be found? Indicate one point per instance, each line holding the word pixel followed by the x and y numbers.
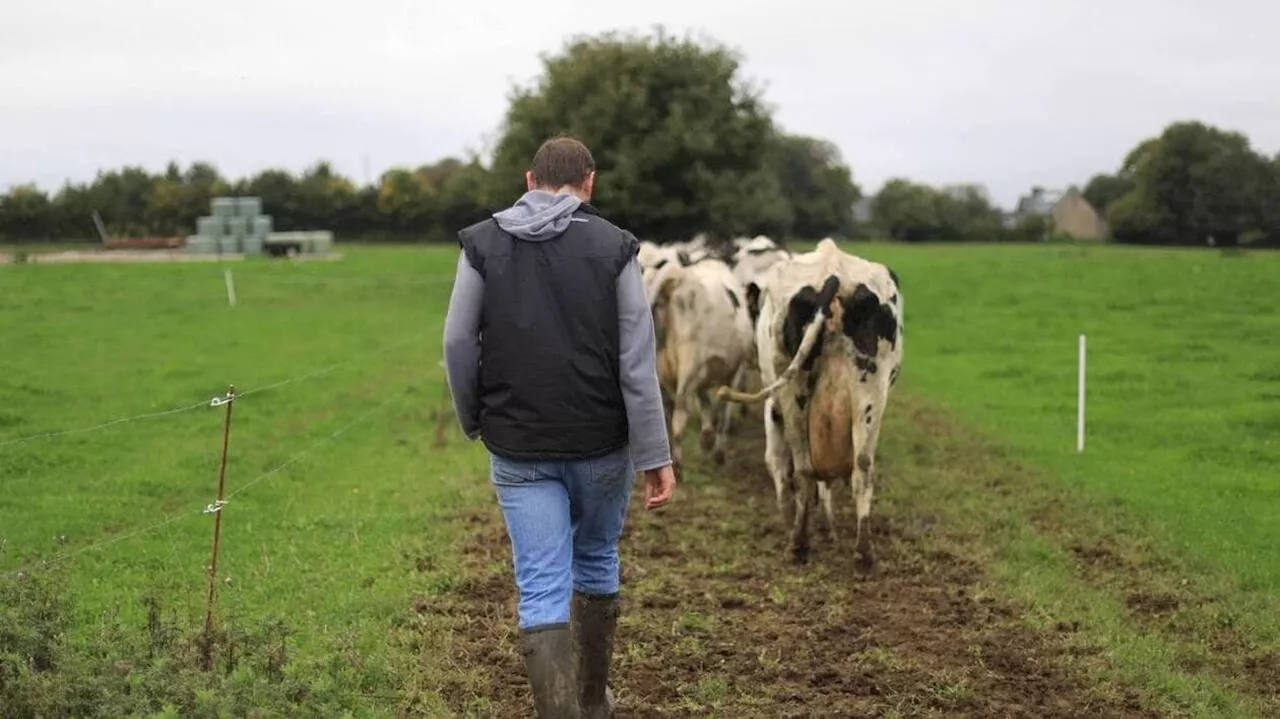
pixel 564 520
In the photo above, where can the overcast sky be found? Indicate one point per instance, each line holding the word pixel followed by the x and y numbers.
pixel 1004 93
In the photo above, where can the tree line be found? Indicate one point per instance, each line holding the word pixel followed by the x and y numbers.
pixel 683 144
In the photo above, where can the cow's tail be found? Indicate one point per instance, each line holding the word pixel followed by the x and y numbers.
pixel 810 338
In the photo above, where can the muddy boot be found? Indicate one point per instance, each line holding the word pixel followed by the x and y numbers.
pixel 595 620
pixel 550 664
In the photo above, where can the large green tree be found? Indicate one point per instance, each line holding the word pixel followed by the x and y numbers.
pixel 1193 183
pixel 1103 189
pixel 905 210
pixel 682 143
pixel 816 184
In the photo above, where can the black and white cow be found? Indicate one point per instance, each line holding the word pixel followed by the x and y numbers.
pixel 829 343
pixel 704 341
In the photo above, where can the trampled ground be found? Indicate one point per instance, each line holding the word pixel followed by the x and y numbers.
pixel 717 622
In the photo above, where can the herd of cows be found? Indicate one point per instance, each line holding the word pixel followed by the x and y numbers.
pixel 820 331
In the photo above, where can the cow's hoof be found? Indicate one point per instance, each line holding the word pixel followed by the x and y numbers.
pixel 800 554
pixel 719 456
pixel 708 439
pixel 866 564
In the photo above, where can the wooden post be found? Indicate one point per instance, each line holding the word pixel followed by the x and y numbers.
pixel 216 510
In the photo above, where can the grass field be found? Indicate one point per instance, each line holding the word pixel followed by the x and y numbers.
pixel 362 567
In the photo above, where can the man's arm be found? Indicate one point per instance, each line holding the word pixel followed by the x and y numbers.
pixel 637 362
pixel 462 346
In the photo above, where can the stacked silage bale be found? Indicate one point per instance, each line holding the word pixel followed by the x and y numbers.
pixel 234 225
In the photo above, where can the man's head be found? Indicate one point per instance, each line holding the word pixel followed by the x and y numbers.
pixel 563 165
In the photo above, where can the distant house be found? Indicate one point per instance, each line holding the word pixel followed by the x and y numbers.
pixel 1069 213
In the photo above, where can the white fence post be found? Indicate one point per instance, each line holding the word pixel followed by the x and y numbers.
pixel 1080 402
pixel 231 288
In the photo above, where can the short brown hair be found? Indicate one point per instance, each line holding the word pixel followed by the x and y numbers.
pixel 562 161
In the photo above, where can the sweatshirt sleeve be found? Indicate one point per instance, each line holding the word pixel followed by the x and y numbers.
pixel 462 346
pixel 637 363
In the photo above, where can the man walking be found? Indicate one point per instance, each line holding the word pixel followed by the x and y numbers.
pixel 550 356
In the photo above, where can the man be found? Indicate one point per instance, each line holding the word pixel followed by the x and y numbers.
pixel 550 355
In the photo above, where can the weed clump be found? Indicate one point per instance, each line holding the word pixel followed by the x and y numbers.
pixel 154 669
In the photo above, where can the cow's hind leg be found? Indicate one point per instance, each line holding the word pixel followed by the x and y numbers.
pixel 802 474
pixel 702 406
pixel 806 501
pixel 866 432
pixel 724 410
pixel 825 490
pixel 777 457
pixel 679 418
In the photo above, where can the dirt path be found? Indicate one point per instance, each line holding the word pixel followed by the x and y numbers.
pixel 717 622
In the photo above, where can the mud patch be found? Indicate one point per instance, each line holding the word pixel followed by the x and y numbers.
pixel 1153 604
pixel 717 621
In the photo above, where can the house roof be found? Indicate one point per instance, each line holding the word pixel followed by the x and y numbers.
pixel 1039 202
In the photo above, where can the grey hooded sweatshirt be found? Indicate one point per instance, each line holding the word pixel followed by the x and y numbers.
pixel 539 216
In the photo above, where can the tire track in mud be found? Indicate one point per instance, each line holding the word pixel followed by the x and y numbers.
pixel 718 622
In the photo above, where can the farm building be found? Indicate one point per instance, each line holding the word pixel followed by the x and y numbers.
pixel 1069 213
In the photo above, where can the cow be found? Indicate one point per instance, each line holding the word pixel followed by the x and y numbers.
pixel 830 346
pixel 704 340
pixel 752 257
pixel 651 255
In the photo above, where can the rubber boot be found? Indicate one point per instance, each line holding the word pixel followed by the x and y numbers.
pixel 551 666
pixel 595 621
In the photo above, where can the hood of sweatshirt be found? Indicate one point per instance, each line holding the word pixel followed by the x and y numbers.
pixel 538 215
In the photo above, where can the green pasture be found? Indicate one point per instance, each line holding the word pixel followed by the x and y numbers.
pixel 341 496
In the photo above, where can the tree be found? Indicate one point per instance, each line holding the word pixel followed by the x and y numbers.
pixel 121 197
pixel 165 211
pixel 278 191
pixel 201 183
pixel 905 210
pixel 25 213
pixel 406 199
pixel 72 210
pixel 681 142
pixel 816 184
pixel 462 198
pixel 1271 207
pixel 965 213
pixel 1191 184
pixel 1103 189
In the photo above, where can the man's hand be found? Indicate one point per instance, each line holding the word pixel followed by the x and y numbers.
pixel 659 484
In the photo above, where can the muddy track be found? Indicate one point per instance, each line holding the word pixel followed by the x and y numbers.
pixel 718 622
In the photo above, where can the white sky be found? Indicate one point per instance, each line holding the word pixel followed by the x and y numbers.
pixel 1005 93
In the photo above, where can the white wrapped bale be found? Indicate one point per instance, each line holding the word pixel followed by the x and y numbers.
pixel 249 206
pixel 223 206
pixel 262 226
pixel 210 226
